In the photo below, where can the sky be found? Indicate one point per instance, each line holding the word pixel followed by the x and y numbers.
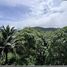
pixel 30 13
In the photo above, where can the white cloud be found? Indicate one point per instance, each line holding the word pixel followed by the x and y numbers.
pixel 45 13
pixel 51 19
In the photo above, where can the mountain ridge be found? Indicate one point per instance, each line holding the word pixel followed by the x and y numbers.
pixel 45 29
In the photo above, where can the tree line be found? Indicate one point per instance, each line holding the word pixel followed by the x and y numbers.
pixel 30 46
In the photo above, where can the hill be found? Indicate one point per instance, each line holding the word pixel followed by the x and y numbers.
pixel 45 29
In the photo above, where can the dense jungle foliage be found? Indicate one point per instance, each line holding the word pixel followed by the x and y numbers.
pixel 33 46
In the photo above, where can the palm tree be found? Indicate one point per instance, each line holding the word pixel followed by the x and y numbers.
pixel 6 40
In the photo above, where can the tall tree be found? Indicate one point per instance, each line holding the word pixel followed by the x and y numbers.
pixel 7 36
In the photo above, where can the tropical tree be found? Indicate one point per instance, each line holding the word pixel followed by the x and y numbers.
pixel 56 52
pixel 6 40
pixel 32 46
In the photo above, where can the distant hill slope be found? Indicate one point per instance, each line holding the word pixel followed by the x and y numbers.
pixel 45 29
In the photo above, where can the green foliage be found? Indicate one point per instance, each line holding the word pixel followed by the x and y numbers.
pixel 6 41
pixel 33 46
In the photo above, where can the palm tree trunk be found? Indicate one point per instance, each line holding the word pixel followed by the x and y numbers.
pixel 6 60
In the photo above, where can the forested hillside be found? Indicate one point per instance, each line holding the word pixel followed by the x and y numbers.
pixel 45 29
pixel 33 46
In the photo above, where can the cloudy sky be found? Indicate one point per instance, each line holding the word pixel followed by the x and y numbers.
pixel 43 13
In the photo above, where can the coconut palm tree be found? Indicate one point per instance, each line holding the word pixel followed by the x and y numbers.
pixel 6 40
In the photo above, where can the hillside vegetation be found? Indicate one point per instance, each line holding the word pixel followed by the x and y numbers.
pixel 33 46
